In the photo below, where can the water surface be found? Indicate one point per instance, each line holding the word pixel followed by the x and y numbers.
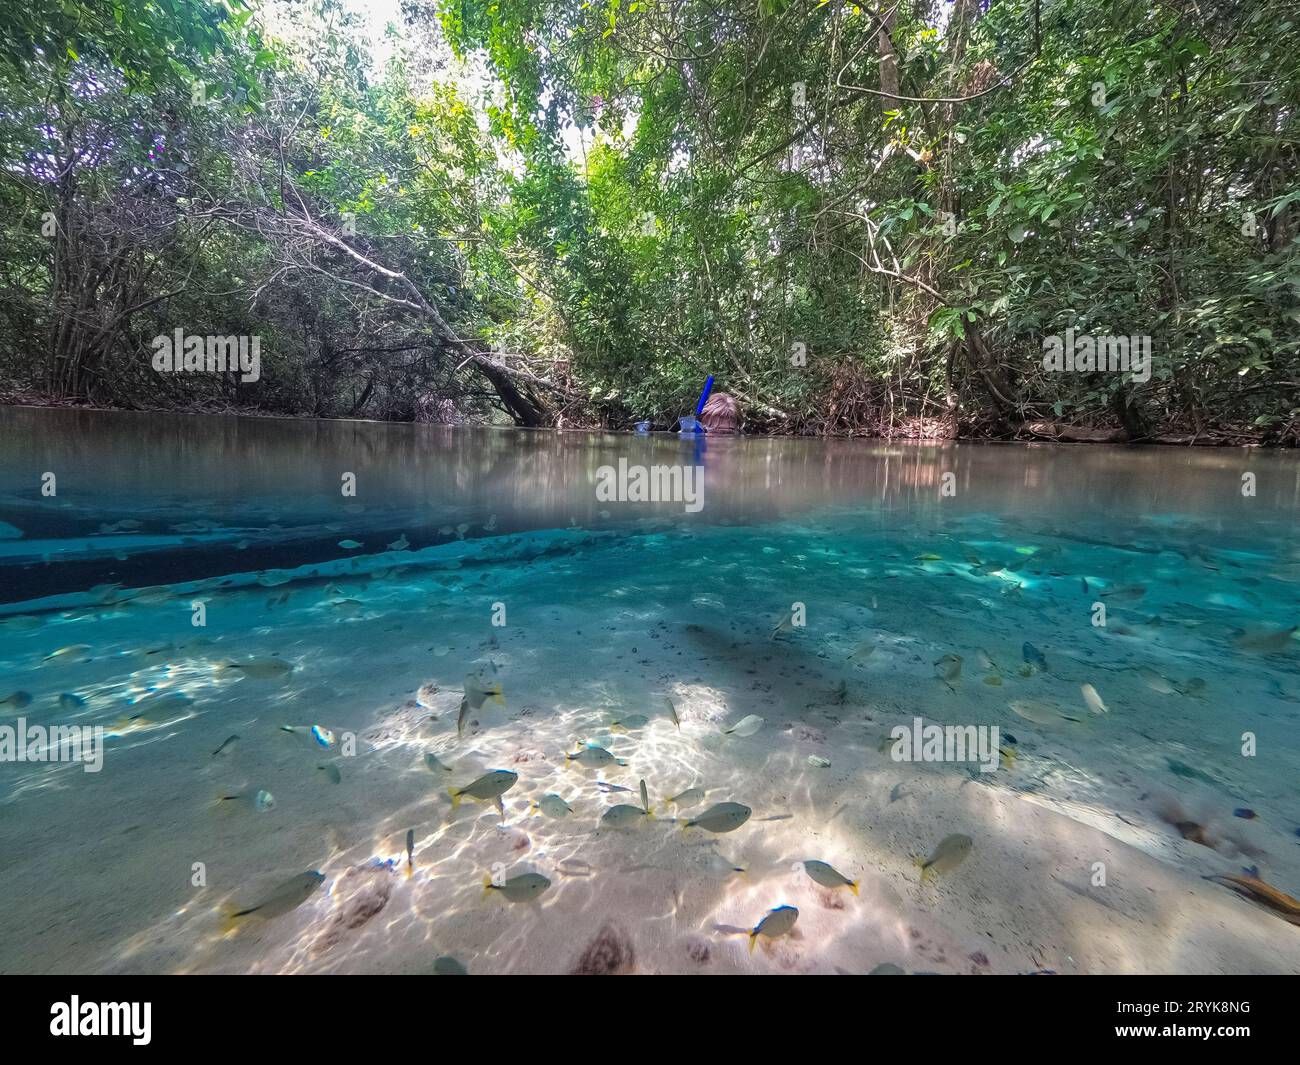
pixel 487 550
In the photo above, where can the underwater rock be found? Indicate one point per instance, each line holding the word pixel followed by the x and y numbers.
pixel 699 950
pixel 368 898
pixel 610 954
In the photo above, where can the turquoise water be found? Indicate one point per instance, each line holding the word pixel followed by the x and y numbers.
pixel 486 552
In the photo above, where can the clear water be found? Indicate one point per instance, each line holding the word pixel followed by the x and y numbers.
pixel 1089 850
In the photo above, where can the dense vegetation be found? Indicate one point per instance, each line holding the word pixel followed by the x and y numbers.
pixel 860 218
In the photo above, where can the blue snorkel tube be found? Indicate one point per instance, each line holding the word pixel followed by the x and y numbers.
pixel 692 425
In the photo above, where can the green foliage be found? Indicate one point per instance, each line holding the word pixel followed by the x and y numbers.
pixel 629 195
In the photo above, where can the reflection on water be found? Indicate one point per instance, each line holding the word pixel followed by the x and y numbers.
pixel 1122 616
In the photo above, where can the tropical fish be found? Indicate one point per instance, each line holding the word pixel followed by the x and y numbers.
pixel 448 966
pixel 332 773
pixel 1157 682
pixel 818 762
pixel 594 757
pixel 322 736
pixel 424 695
pixel 1092 699
pixel 746 726
pixel 72 653
pixel 948 668
pixel 672 712
pixel 864 650
pixel 719 864
pixel 1125 593
pixel 1266 641
pixel 227 745
pixel 950 853
pixel 462 716
pixel 261 800
pixel 70 701
pixel 1245 812
pixel 777 922
pixel 1040 712
pixel 827 877
pixel 522 888
pixel 478 689
pixel 488 787
pixel 552 806
pixel 985 661
pixel 689 797
pixel 263 668
pixel 721 817
pixel 431 760
pixel 288 896
pixel 625 724
pixel 608 788
pixel 1034 657
pixel 400 544
pixel 786 624
pixel 410 847
pixel 622 815
pixel 350 545
pixel 1187 772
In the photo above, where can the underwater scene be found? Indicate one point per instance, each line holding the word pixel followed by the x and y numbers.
pixel 348 697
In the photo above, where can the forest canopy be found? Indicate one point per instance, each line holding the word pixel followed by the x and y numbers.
pixel 860 218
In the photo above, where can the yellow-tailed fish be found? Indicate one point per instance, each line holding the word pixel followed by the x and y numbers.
pixel 288 896
pixel 487 788
pixel 777 922
pixel 827 877
pixel 721 817
pixel 594 757
pixel 522 888
pixel 551 805
pixel 689 797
